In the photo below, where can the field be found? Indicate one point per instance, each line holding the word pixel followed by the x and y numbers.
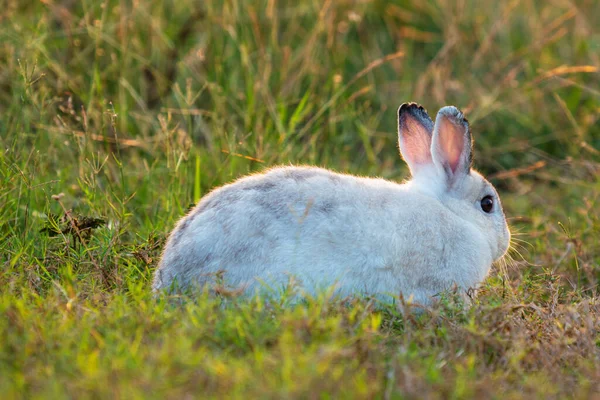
pixel 116 116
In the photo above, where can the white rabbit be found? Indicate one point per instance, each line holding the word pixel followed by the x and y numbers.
pixel 440 230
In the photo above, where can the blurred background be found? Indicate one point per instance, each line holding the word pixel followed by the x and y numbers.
pixel 153 103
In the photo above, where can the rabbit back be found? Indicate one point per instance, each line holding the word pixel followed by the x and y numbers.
pixel 323 228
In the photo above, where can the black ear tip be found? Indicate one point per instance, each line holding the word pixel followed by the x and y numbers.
pixel 411 108
pixel 414 109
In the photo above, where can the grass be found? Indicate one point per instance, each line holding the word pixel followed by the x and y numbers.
pixel 125 113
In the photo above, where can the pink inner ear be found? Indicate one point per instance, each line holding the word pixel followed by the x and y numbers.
pixel 417 143
pixel 452 141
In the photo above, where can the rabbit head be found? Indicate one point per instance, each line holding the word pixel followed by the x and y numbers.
pixel 440 157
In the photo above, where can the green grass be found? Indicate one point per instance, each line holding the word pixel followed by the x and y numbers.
pixel 131 111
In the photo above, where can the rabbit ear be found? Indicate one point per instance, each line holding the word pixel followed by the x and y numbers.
pixel 414 136
pixel 451 146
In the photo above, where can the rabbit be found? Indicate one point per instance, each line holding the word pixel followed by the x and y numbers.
pixel 440 230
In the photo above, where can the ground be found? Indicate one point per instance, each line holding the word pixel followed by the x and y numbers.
pixel 116 116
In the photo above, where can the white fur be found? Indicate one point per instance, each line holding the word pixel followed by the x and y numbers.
pixel 363 235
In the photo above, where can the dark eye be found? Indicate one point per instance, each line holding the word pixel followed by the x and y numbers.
pixel 487 204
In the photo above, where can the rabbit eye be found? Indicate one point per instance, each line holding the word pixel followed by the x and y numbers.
pixel 487 204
